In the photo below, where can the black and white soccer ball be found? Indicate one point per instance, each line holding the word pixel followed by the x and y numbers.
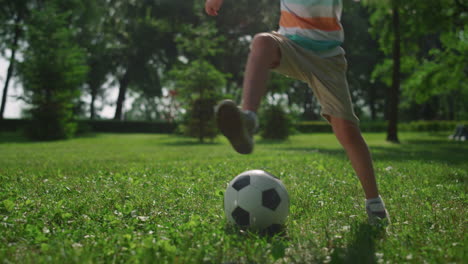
pixel 256 200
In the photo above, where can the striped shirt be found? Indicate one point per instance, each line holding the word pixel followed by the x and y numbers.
pixel 314 25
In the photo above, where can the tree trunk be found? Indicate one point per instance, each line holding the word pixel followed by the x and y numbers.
pixel 201 116
pixel 393 98
pixel 124 81
pixel 371 98
pixel 451 106
pixel 93 101
pixel 11 66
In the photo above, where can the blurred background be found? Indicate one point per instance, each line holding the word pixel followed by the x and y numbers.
pixel 75 66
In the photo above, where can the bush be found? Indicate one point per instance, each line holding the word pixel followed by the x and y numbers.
pixel 201 120
pixel 13 125
pixel 276 124
pixel 431 126
pixel 114 126
pixel 313 127
pixel 381 126
pixel 51 121
pixel 52 71
pixel 373 126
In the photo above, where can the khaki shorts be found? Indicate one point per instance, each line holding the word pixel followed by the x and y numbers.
pixel 326 77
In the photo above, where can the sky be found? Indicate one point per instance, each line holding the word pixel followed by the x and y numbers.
pixel 13 106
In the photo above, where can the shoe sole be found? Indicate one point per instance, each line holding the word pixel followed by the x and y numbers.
pixel 375 219
pixel 230 124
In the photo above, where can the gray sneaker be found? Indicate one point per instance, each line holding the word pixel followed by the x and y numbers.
pixel 377 214
pixel 236 125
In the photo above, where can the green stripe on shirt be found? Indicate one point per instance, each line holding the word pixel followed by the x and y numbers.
pixel 314 2
pixel 314 45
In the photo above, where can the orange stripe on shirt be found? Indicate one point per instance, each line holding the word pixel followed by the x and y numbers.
pixel 320 23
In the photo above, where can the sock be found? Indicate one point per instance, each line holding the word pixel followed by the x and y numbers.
pixel 252 115
pixel 375 204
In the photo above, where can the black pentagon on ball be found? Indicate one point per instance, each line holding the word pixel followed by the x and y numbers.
pixel 271 199
pixel 241 216
pixel 241 182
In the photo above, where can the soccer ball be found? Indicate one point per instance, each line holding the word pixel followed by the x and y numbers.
pixel 256 200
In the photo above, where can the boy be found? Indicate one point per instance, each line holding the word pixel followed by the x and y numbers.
pixel 307 47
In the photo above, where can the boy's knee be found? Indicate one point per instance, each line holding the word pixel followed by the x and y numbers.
pixel 264 46
pixel 263 41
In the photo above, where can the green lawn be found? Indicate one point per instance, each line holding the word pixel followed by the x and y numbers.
pixel 159 199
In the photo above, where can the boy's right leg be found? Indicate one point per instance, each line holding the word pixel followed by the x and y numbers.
pixel 264 55
pixel 239 125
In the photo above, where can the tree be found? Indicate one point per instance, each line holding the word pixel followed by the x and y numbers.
pixel 392 35
pixel 12 15
pixel 166 108
pixel 52 71
pixel 143 43
pixel 100 65
pixel 197 81
pixel 431 47
pixel 439 76
pixel 394 92
pixel 238 22
pixel 362 54
pixel 95 38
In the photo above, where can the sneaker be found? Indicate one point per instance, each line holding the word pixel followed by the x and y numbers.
pixel 236 125
pixel 377 214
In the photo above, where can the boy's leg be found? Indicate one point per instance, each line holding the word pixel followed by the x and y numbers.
pixel 264 55
pixel 349 135
pixel 239 126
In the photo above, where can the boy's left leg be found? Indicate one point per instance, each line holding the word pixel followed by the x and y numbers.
pixel 350 137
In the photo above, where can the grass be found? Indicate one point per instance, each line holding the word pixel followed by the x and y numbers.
pixel 158 199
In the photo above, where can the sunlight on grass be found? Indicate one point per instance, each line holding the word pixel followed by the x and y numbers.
pixel 158 198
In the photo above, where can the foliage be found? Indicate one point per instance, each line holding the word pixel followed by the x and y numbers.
pixel 96 39
pixel 313 127
pixel 431 126
pixel 12 16
pixel 444 74
pixel 143 43
pixel 200 121
pixel 159 199
pixel 166 108
pixel 238 22
pixel 362 54
pixel 113 126
pixel 275 122
pixel 380 126
pixel 52 71
pixel 433 48
pixel 197 82
pixel 135 44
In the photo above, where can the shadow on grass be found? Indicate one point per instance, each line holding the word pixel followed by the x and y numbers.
pixel 361 248
pixel 271 141
pixel 188 142
pixel 178 140
pixel 276 236
pixel 440 151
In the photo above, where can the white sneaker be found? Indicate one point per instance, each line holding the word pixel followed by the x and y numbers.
pixel 377 214
pixel 238 126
